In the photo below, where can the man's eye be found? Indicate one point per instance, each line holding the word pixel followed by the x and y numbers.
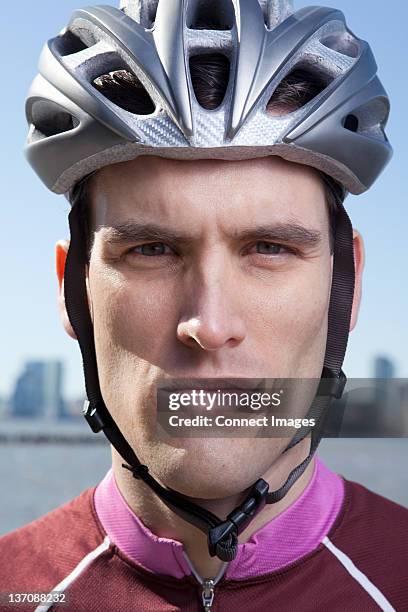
pixel 153 248
pixel 269 248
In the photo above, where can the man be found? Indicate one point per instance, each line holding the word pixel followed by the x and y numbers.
pixel 206 149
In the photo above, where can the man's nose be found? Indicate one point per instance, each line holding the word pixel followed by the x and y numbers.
pixel 212 317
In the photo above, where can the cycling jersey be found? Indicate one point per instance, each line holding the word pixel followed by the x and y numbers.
pixel 295 532
pixel 338 547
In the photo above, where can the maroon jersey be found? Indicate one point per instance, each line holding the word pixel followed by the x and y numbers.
pixel 360 565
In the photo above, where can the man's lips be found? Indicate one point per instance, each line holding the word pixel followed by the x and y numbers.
pixel 224 383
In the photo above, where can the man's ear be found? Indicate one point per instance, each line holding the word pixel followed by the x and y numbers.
pixel 359 260
pixel 61 250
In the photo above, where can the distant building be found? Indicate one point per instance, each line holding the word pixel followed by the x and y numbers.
pixel 383 367
pixel 384 390
pixel 3 407
pixel 38 391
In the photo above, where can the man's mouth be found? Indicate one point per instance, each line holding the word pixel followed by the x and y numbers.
pixel 224 383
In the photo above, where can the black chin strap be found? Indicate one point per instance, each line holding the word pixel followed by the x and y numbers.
pixel 222 533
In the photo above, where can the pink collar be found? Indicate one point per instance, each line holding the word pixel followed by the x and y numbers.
pixel 295 532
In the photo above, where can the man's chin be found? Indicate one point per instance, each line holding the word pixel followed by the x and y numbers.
pixel 213 468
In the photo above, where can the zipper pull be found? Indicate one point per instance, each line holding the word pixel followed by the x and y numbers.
pixel 207 594
pixel 207 584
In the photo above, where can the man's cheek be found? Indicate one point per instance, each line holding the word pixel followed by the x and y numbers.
pixel 288 308
pixel 290 323
pixel 136 320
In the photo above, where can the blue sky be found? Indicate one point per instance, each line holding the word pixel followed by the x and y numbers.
pixel 32 219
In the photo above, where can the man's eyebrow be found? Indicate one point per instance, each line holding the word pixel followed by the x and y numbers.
pixel 292 233
pixel 131 231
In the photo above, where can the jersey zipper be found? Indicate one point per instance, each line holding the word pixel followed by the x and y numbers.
pixel 207 584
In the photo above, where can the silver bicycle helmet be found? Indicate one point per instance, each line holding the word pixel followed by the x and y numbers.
pixel 77 128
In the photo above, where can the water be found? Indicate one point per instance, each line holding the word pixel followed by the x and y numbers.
pixel 35 478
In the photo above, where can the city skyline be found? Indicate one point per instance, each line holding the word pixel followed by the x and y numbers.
pixel 375 407
pixel 382 367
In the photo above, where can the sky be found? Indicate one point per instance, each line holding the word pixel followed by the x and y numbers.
pixel 33 219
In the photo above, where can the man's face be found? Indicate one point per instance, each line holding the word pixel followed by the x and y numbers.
pixel 205 269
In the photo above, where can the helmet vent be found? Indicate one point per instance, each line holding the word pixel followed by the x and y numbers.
pixel 343 44
pixel 148 15
pixel 50 119
pixel 142 11
pixel 69 43
pixel 369 119
pixel 295 90
pixel 351 123
pixel 210 15
pixel 125 90
pixel 275 11
pixel 209 77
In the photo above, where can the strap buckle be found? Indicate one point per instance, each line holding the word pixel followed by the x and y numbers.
pixel 223 538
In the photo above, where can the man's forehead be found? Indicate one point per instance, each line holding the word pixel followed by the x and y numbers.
pixel 271 190
pixel 249 174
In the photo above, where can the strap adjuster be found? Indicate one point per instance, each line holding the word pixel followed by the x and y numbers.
pixel 331 383
pixel 93 417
